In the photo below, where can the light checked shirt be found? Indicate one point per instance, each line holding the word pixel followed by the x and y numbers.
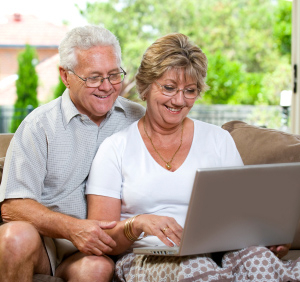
pixel 50 155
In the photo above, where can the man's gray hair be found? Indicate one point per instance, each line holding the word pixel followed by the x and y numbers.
pixel 84 38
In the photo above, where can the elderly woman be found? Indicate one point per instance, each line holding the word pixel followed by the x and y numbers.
pixel 142 176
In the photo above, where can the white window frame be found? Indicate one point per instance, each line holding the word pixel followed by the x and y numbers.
pixel 295 111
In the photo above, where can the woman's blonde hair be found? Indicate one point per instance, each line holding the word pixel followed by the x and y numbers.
pixel 172 51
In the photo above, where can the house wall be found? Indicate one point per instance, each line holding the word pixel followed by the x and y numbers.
pixel 9 58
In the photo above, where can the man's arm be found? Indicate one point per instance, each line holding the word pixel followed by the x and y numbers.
pixel 86 235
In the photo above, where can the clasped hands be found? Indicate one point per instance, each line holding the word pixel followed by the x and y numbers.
pixel 90 238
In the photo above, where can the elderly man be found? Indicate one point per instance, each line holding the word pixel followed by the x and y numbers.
pixel 48 162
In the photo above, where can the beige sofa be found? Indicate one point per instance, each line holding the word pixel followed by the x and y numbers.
pixel 256 146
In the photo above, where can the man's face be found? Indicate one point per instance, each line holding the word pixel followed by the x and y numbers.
pixel 94 102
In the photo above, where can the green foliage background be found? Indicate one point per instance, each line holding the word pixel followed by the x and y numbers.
pixel 248 43
pixel 26 85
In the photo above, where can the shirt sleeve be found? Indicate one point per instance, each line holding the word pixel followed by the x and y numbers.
pixel 25 164
pixel 105 176
pixel 229 152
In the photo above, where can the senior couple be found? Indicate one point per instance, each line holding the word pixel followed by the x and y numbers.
pixel 137 182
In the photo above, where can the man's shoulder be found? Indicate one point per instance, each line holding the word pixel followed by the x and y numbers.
pixel 43 116
pixel 43 110
pixel 131 107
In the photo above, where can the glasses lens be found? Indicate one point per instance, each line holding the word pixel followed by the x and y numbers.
pixel 191 93
pixel 93 81
pixel 116 78
pixel 169 90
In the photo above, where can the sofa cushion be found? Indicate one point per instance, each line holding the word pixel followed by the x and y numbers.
pixel 1 167
pixel 258 145
pixel 5 139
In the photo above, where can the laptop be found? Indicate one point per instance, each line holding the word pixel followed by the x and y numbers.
pixel 236 207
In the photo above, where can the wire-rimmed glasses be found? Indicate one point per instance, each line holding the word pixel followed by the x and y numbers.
pixel 96 81
pixel 169 90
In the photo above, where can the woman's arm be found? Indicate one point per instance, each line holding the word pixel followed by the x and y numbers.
pixel 109 209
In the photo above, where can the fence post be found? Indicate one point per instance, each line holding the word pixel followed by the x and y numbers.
pixel 29 109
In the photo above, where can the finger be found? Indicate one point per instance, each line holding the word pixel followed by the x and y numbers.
pixel 104 248
pixel 107 224
pixel 162 237
pixel 272 249
pixel 107 240
pixel 95 252
pixel 169 233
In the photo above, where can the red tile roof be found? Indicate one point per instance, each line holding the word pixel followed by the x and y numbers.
pixel 22 29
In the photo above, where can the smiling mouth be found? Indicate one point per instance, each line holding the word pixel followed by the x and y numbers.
pixel 174 110
pixel 101 97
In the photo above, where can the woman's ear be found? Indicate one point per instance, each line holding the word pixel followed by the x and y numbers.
pixel 64 76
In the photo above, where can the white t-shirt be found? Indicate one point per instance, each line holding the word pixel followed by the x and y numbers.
pixel 124 169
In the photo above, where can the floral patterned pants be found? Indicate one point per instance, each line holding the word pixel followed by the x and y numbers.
pixel 250 264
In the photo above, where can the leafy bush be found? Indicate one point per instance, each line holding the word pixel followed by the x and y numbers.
pixel 26 85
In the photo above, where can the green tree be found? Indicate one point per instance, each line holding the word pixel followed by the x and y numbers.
pixel 222 84
pixel 283 27
pixel 26 85
pixel 239 34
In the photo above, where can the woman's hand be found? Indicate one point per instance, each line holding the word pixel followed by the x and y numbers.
pixel 163 227
pixel 281 250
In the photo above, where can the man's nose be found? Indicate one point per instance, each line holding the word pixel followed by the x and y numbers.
pixel 105 85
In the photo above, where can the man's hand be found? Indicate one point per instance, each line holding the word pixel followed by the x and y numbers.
pixel 89 238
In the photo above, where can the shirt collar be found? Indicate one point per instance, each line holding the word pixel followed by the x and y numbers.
pixel 69 110
pixel 117 106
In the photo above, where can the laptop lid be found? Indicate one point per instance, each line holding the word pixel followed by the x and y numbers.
pixel 235 207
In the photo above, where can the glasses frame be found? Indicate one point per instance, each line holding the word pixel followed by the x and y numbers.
pixel 177 90
pixel 101 80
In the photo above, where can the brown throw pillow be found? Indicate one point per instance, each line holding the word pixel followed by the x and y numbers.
pixel 263 145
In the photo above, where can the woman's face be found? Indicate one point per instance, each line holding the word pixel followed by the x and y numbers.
pixel 169 111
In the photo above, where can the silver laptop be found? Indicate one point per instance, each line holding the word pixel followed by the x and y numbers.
pixel 236 207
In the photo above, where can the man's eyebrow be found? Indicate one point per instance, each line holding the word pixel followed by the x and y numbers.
pixel 97 73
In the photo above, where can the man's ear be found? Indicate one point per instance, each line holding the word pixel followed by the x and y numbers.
pixel 64 76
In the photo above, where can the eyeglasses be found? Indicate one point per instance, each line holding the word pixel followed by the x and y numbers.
pixel 188 93
pixel 96 81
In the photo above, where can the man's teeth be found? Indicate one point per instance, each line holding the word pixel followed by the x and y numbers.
pixel 173 109
pixel 101 96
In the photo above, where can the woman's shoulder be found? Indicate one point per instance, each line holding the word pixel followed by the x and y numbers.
pixel 208 127
pixel 124 135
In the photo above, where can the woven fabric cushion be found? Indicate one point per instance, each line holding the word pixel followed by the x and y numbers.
pixel 5 139
pixel 1 167
pixel 264 146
